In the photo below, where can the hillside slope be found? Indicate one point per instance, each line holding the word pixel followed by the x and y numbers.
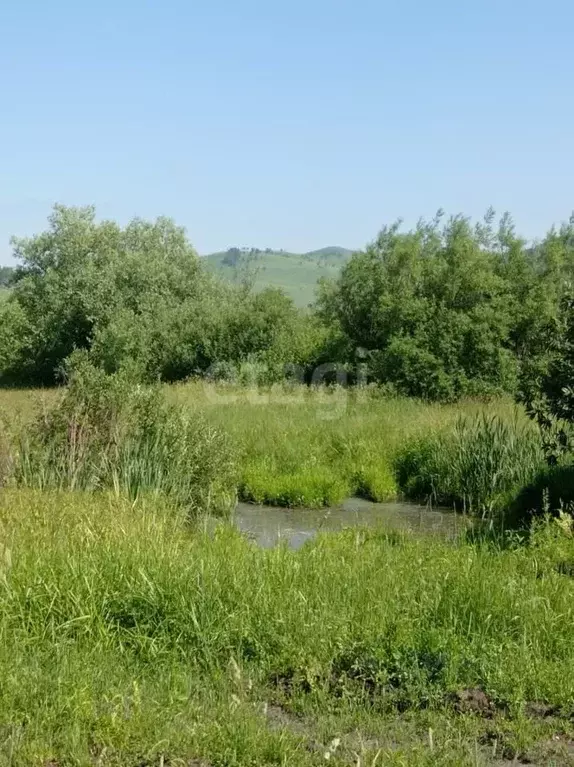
pixel 296 273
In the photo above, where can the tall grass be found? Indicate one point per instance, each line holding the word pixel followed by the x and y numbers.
pixel 104 432
pixel 478 464
pixel 300 446
pixel 312 447
pixel 128 639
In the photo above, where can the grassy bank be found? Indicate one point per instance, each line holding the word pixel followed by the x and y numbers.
pixel 130 639
pixel 305 447
pixel 316 447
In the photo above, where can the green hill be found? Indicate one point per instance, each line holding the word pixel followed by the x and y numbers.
pixel 296 273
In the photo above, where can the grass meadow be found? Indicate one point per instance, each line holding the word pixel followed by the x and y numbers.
pixel 315 447
pixel 134 633
pixel 129 637
pixel 303 447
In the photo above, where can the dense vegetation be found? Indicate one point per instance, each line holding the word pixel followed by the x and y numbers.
pixel 135 631
pixel 450 310
pixel 104 433
pixel 129 639
pixel 6 276
pixel 443 311
pixel 200 445
pixel 136 298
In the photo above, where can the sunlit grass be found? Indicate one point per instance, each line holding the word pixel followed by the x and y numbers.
pixel 130 638
pixel 309 447
pixel 301 446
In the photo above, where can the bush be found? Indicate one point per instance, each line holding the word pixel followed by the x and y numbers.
pixel 14 335
pixel 448 310
pixel 476 465
pixel 106 432
pixel 138 298
pixel 414 371
pixel 550 491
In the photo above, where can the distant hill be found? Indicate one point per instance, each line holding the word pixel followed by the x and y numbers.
pixel 296 273
pixel 331 251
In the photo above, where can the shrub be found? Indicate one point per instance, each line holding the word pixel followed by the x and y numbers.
pixel 14 337
pixel 551 490
pixel 106 432
pixel 437 310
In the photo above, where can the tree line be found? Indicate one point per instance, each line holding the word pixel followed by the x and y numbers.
pixel 445 310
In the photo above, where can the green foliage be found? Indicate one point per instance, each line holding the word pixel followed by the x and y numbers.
pixel 15 337
pixel 550 491
pixel 105 432
pixel 302 445
pixel 139 299
pixel 440 312
pixel 75 276
pixel 449 310
pixel 548 388
pixel 7 274
pixel 376 482
pixel 310 487
pixel 477 464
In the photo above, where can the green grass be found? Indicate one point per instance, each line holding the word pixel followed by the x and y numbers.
pixel 479 464
pixel 102 432
pixel 296 274
pixel 128 638
pixel 303 447
pixel 314 448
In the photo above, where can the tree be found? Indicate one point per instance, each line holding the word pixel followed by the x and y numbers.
pixel 134 298
pixel 434 306
pixel 548 389
pixel 6 276
pixel 74 278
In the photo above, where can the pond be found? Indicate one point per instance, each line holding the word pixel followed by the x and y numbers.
pixel 268 525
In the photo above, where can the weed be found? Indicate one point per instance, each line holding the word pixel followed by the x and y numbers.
pixel 128 638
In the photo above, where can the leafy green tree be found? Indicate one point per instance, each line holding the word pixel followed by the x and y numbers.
pixel 77 275
pixel 134 298
pixel 6 276
pixel 432 306
pixel 548 391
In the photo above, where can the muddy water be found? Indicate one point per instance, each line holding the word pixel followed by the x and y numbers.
pixel 267 525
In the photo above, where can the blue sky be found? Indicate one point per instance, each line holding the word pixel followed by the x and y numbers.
pixel 295 124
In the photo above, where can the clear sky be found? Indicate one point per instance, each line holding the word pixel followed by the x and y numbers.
pixel 291 124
